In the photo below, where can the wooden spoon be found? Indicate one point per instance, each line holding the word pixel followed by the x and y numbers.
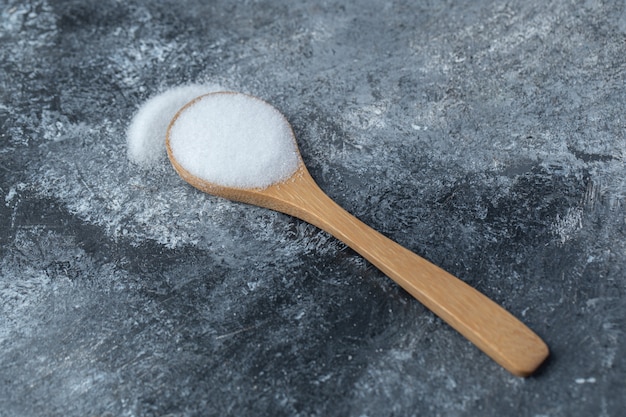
pixel 491 328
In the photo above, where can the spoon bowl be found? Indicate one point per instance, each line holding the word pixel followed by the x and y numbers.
pixel 490 327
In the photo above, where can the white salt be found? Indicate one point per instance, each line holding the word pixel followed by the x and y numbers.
pixel 234 140
pixel 146 133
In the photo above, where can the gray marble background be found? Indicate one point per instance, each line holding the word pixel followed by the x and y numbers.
pixel 486 136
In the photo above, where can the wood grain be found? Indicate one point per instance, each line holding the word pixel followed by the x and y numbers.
pixel 490 327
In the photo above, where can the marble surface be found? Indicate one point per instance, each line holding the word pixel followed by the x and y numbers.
pixel 487 137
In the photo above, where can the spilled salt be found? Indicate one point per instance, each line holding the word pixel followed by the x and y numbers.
pixel 234 140
pixel 146 133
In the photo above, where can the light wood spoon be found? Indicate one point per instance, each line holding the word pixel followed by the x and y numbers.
pixel 491 328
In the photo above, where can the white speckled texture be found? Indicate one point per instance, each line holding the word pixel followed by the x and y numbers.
pixel 146 133
pixel 486 136
pixel 234 140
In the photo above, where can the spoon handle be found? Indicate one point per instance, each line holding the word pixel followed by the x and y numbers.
pixel 490 327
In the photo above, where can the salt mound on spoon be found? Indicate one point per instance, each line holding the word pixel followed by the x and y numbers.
pixel 234 140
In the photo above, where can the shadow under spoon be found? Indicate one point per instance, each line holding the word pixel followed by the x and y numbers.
pixel 491 328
